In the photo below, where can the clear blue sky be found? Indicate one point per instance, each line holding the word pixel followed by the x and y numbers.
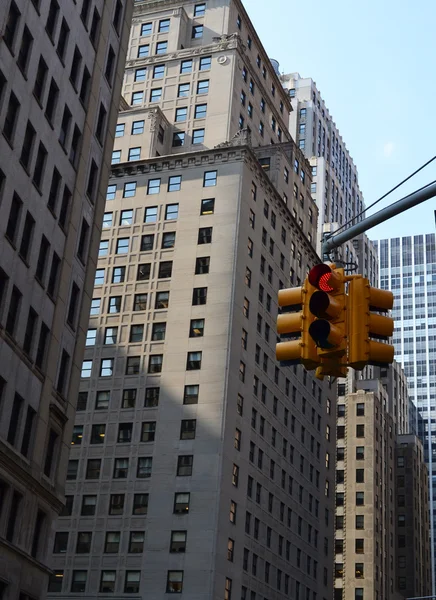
pixel 374 62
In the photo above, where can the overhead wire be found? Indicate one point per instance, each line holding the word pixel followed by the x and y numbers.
pixel 385 195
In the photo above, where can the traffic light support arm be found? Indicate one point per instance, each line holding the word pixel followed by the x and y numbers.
pixel 330 242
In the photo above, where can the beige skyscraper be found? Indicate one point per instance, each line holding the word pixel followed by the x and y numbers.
pixel 61 65
pixel 199 466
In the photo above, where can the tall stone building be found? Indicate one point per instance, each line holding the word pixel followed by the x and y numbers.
pixel 413 519
pixel 198 465
pixel 335 185
pixel 61 66
pixel 365 565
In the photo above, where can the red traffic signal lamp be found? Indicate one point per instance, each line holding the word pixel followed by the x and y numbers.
pixel 294 323
pixel 327 305
pixel 367 328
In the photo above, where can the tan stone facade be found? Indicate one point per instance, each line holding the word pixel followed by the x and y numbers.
pixel 198 465
pixel 60 81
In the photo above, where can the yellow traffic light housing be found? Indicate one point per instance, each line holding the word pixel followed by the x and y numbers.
pixel 294 323
pixel 364 325
pixel 328 305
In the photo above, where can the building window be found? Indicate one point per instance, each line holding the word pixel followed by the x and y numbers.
pixel 199 296
pixel 151 397
pixel 107 578
pixel 207 206
pixel 205 235
pixel 171 212
pixel 78 581
pixel 133 365
pixel 140 504
pixel 136 542
pixel 360 431
pixel 131 582
pixel 161 47
pixel 155 363
pixel 102 400
pixel 184 465
pixel 174 185
pixel 158 332
pixel 174 582
pixel 198 136
pixel 116 504
pixel 144 467
pixel 112 544
pixel 181 503
pixel 140 302
pixel 199 10
pixel 197 32
pixel 162 300
pixel 168 239
pixel 146 29
pixel 193 361
pixel 148 431
pixel 129 396
pixel 190 395
pixel 155 94
pixel 121 468
pixel 183 90
pixel 203 86
pixel 158 71
pixel 205 63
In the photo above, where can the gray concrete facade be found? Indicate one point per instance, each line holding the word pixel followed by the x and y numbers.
pixel 60 80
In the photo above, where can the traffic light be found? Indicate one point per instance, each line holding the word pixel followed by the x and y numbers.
pixel 364 325
pixel 294 323
pixel 328 305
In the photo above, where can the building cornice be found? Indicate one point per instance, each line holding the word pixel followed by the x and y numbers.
pixel 212 158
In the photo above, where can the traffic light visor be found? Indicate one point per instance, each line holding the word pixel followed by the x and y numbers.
pixel 323 278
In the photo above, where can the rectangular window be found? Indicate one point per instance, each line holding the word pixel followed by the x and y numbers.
pixel 199 296
pixel 158 71
pixel 27 148
pixel 205 235
pixel 198 136
pixel 178 139
pixel 190 395
pixel 116 505
pixel 183 90
pixel 209 178
pixel 155 363
pixel 144 467
pixel 134 154
pixel 137 98
pixel 184 465
pixel 205 63
pixel 151 397
pixel 197 32
pixel 161 47
pixel 129 398
pixel 38 172
pixel 14 218
pixel 143 50
pixel 203 86
pixel 200 10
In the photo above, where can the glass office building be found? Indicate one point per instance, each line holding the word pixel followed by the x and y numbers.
pixel 408 268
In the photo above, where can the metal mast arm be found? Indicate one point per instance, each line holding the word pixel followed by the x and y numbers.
pixel 334 241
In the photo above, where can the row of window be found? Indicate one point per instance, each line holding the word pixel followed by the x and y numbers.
pixel 133 363
pixel 174 184
pixel 129 396
pixel 183 89
pixel 125 433
pixel 121 467
pixel 158 333
pixel 199 297
pixel 108 581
